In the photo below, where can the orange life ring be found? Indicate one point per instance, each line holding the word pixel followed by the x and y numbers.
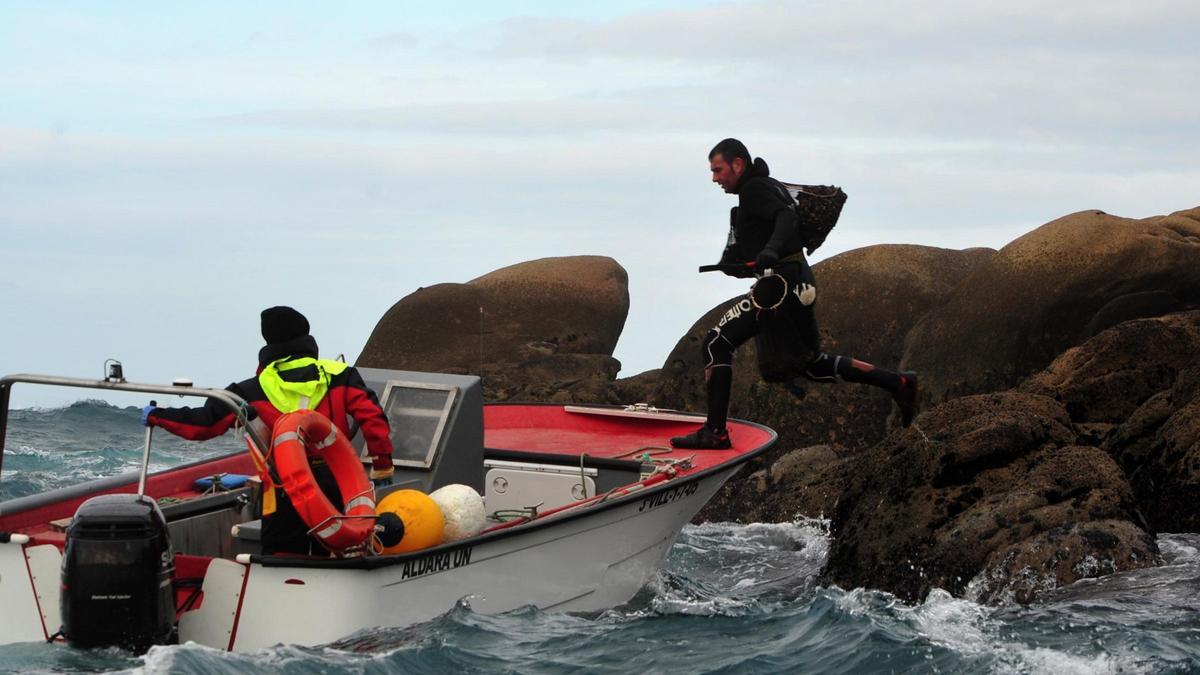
pixel 337 530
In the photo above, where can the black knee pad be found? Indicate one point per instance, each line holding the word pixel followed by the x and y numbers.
pixel 716 350
pixel 823 368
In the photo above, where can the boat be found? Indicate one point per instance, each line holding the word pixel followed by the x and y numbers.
pixel 585 502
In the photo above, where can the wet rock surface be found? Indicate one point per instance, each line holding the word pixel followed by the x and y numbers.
pixel 983 483
pixel 1135 389
pixel 807 482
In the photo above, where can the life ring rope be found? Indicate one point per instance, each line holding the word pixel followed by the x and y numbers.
pixel 328 527
pixel 338 529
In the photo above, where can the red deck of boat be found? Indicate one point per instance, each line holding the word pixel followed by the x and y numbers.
pixel 551 429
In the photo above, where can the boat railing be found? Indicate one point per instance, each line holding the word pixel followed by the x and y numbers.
pixel 235 403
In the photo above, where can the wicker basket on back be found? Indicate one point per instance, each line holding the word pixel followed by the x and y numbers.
pixel 818 208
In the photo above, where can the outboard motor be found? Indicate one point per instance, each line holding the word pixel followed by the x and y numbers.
pixel 117 575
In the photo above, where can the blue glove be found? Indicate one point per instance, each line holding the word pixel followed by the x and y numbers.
pixel 146 414
pixel 766 259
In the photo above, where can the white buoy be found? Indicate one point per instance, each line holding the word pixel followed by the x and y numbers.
pixel 462 508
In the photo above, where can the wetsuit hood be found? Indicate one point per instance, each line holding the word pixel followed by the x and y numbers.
pixel 757 169
pixel 305 345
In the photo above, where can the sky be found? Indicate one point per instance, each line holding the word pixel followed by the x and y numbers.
pixel 167 170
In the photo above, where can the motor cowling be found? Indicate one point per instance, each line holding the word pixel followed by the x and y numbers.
pixel 117 575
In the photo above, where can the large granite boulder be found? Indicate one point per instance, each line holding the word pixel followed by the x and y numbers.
pixel 550 323
pixel 1135 390
pixel 1050 290
pixel 991 493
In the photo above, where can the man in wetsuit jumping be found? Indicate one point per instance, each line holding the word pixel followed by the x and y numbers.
pixel 764 230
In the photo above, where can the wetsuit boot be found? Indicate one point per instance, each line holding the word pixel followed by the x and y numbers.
pixel 713 435
pixel 902 386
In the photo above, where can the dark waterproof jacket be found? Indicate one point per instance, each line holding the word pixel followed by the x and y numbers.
pixel 348 396
pixel 764 218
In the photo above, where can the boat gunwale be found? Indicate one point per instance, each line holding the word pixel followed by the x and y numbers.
pixel 377 562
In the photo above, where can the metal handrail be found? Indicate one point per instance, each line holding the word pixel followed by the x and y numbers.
pixel 234 402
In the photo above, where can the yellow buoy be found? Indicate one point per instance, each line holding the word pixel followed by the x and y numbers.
pixel 423 522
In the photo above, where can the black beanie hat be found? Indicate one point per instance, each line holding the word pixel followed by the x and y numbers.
pixel 283 324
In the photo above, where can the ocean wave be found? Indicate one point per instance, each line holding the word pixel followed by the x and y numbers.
pixel 27 451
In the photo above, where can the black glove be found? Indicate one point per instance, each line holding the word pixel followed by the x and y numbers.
pixel 766 259
pixel 738 270
pixel 735 268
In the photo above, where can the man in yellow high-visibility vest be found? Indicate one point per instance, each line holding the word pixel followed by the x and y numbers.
pixel 291 377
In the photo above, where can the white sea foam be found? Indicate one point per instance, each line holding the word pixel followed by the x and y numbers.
pixel 28 451
pixel 1051 662
pixel 161 659
pixel 730 569
pixel 807 535
pixel 1180 549
pixel 952 622
pixel 972 630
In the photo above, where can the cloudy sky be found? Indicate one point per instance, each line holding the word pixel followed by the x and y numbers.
pixel 169 169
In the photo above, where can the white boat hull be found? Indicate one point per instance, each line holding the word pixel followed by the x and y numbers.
pixel 590 561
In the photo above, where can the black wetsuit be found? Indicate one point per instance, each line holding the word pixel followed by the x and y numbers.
pixel 764 219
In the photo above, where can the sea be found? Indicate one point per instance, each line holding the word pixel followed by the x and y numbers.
pixel 731 598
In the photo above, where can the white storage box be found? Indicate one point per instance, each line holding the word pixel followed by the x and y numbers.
pixel 521 485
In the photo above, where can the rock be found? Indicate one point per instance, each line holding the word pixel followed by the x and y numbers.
pixel 1108 377
pixel 807 482
pixel 1048 291
pixel 638 388
pixel 802 483
pixel 557 378
pixel 1130 307
pixel 981 483
pixel 1134 388
pixel 575 305
pixel 870 298
pixel 1159 446
pixel 550 322
pixel 1023 571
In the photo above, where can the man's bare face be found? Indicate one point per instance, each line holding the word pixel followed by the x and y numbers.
pixel 726 174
